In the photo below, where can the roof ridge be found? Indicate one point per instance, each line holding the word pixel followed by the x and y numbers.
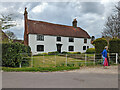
pixel 51 23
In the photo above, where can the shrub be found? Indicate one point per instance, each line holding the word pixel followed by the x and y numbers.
pixel 90 51
pixel 73 52
pixel 64 52
pixel 53 53
pixel 12 54
pixel 114 47
pixel 99 44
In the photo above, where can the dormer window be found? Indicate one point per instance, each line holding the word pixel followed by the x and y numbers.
pixel 40 38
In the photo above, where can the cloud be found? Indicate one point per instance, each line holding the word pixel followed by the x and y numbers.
pixel 90 15
pixel 39 8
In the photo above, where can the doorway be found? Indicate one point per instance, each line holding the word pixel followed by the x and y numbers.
pixel 59 47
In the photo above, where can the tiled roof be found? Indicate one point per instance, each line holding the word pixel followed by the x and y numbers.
pixel 45 28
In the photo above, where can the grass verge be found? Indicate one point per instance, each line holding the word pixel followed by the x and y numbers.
pixel 37 69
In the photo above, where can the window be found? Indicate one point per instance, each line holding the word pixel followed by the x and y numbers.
pixel 40 37
pixel 85 40
pixel 58 38
pixel 71 39
pixel 84 47
pixel 87 47
pixel 40 47
pixel 71 48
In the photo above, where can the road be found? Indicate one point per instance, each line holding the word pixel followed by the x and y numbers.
pixel 82 78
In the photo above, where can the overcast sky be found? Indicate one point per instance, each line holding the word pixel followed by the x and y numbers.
pixel 91 16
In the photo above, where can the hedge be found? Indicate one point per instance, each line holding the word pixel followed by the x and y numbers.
pixel 114 47
pixel 12 54
pixel 99 44
pixel 90 51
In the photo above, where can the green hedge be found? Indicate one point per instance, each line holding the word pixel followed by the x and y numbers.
pixel 40 69
pixel 90 51
pixel 12 54
pixel 99 44
pixel 53 53
pixel 114 47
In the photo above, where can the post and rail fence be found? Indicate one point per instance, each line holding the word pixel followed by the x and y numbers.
pixel 66 60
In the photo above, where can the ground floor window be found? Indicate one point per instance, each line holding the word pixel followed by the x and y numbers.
pixel 71 48
pixel 84 47
pixel 40 47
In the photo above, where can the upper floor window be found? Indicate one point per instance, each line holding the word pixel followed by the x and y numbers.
pixel 85 40
pixel 71 48
pixel 40 37
pixel 58 38
pixel 71 39
pixel 40 47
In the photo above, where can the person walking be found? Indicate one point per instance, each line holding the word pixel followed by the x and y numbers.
pixel 104 55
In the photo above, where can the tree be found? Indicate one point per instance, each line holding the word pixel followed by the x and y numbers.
pixel 11 35
pixel 7 21
pixel 112 25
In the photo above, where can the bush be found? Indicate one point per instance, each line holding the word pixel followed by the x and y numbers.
pixel 12 54
pixel 40 69
pixel 114 47
pixel 100 43
pixel 90 51
pixel 74 52
pixel 53 53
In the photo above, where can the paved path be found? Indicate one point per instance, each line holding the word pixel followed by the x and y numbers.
pixel 83 78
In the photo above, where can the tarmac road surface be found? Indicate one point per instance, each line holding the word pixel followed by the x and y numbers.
pixel 83 78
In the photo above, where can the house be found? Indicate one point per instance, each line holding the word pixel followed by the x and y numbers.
pixel 48 37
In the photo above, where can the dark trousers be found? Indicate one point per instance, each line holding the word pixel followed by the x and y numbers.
pixel 108 61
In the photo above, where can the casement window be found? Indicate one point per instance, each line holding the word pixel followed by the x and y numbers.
pixel 40 38
pixel 85 40
pixel 40 47
pixel 71 48
pixel 84 47
pixel 59 39
pixel 71 39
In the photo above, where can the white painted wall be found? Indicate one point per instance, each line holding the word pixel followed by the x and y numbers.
pixel 51 41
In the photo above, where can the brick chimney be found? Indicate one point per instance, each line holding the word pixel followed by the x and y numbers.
pixel 74 23
pixel 26 27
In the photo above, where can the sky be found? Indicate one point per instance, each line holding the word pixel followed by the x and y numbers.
pixel 91 16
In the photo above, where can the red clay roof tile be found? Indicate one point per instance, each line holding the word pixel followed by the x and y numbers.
pixel 45 28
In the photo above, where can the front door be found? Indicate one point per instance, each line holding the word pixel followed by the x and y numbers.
pixel 59 47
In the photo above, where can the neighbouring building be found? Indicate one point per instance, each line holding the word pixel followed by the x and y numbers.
pixel 48 37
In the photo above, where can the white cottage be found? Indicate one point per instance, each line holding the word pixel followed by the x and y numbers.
pixel 48 37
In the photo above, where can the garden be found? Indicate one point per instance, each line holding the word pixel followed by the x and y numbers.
pixel 18 57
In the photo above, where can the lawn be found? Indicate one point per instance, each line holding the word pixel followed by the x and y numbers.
pixel 59 60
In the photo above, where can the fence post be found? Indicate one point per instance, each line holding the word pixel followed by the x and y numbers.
pixel 66 59
pixel 85 59
pixel 55 59
pixel 116 58
pixel 43 60
pixel 20 65
pixel 32 61
pixel 94 59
